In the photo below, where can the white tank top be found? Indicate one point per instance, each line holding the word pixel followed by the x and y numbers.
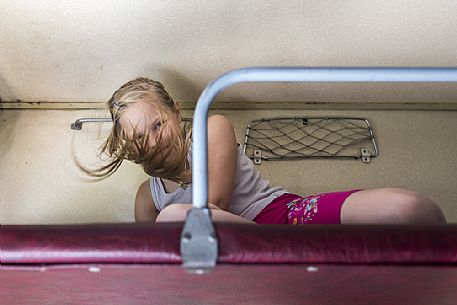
pixel 250 195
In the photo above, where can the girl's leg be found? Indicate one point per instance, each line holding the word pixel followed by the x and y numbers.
pixel 177 213
pixel 390 206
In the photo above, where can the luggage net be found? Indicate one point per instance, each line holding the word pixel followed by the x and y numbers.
pixel 309 137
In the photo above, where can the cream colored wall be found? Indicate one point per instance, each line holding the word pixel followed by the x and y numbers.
pixel 78 51
pixel 40 184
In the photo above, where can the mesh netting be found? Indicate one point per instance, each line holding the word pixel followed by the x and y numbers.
pixel 299 138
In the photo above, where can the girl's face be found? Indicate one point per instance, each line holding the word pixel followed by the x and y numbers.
pixel 143 119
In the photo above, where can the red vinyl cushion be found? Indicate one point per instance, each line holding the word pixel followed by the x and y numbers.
pixel 238 243
pixel 269 265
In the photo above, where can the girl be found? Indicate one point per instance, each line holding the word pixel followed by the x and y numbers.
pixel 147 130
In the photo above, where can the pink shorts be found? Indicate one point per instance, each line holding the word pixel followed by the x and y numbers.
pixel 293 209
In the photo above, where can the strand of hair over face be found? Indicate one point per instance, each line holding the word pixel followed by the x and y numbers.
pixel 167 159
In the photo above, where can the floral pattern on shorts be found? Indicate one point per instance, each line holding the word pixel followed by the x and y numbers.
pixel 302 210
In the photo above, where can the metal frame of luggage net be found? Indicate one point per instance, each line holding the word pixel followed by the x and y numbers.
pixel 199 243
pixel 292 138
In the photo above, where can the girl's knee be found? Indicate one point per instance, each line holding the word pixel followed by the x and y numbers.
pixel 413 208
pixel 173 213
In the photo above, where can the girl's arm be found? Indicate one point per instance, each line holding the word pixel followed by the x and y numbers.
pixel 145 210
pixel 222 159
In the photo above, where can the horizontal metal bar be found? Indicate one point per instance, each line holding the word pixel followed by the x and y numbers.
pixel 78 124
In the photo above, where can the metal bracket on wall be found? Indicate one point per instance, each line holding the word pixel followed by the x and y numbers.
pixel 257 157
pixel 365 155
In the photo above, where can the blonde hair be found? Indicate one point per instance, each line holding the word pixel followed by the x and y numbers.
pixel 168 158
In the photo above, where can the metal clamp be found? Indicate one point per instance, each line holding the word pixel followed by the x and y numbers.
pixel 365 155
pixel 199 245
pixel 257 157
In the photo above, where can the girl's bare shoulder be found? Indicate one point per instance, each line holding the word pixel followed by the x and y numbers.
pixel 219 123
